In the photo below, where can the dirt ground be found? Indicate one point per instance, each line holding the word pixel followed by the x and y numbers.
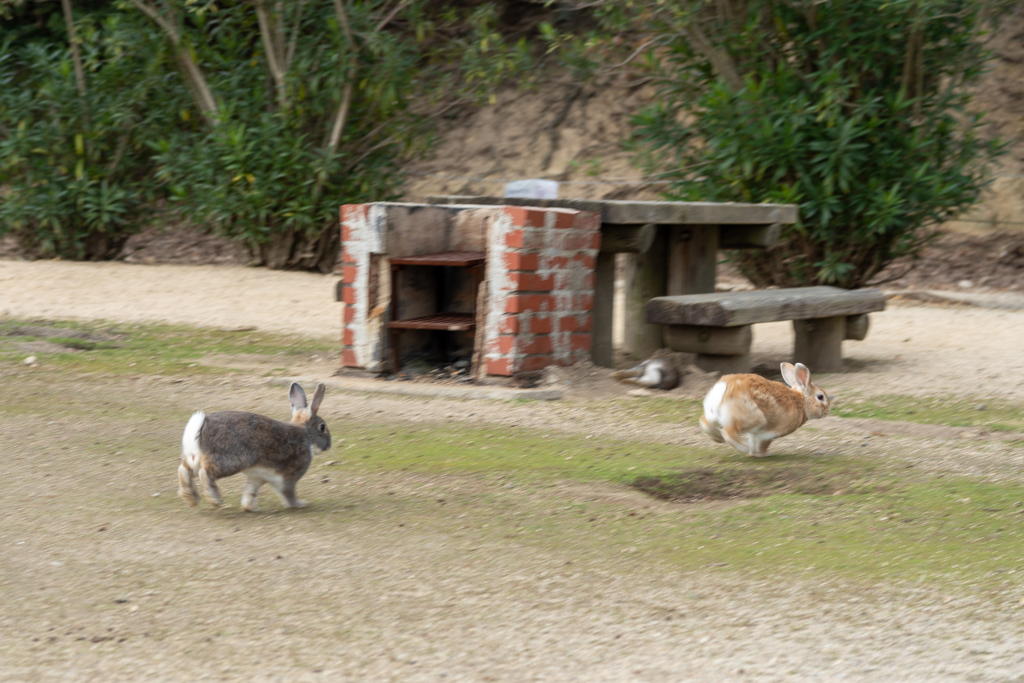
pixel 107 577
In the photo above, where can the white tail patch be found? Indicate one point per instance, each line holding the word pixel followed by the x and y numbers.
pixel 713 411
pixel 652 376
pixel 190 440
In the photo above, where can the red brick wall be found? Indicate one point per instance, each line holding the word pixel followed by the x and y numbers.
pixel 540 274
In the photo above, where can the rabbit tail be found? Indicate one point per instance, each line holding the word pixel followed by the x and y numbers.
pixel 714 417
pixel 190 456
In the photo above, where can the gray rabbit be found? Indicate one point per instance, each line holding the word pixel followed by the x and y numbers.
pixel 217 445
pixel 656 373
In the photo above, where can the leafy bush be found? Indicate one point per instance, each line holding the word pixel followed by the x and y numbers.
pixel 78 176
pixel 256 119
pixel 318 104
pixel 855 111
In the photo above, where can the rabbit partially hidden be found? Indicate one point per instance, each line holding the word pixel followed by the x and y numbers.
pixel 657 373
pixel 749 411
pixel 267 451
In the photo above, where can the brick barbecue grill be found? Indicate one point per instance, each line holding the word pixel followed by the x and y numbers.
pixel 513 286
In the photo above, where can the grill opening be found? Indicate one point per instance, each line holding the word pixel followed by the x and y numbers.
pixel 433 315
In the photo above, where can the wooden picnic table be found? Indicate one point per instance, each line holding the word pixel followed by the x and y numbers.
pixel 675 247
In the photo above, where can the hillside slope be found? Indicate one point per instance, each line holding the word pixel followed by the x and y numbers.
pixel 560 131
pixel 566 133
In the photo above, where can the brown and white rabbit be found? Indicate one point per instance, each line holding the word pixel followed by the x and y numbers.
pixel 217 445
pixel 656 373
pixel 749 411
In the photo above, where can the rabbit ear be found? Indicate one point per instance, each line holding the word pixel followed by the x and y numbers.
pixel 318 396
pixel 297 397
pixel 789 374
pixel 803 375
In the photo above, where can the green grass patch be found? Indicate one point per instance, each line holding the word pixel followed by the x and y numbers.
pixel 447 448
pixel 945 410
pixel 956 532
pixel 126 348
pixel 669 410
pixel 840 515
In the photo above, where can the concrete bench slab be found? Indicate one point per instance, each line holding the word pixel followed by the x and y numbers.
pixel 716 326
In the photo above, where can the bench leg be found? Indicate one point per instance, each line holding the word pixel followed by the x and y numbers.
pixel 718 349
pixel 857 326
pixel 819 343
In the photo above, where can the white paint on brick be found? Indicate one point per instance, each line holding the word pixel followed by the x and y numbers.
pixel 499 283
pixel 366 237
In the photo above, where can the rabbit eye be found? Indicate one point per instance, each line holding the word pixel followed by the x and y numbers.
pixel 322 426
pixel 821 397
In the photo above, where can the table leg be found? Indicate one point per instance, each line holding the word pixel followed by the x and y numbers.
pixel 692 259
pixel 646 278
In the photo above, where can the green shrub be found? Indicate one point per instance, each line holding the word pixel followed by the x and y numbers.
pixel 856 111
pixel 78 176
pixel 323 117
pixel 256 119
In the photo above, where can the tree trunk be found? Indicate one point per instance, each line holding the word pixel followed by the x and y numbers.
pixel 76 59
pixel 194 76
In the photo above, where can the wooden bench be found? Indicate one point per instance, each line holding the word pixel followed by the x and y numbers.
pixel 716 327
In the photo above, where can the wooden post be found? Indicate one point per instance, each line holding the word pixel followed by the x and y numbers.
pixel 692 259
pixel 819 343
pixel 645 279
pixel 604 305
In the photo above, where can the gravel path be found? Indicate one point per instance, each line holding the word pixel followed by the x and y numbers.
pixel 211 296
pixel 910 349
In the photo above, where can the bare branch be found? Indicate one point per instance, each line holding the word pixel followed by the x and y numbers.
pixel 556 122
pixel 194 77
pixel 272 47
pixel 392 139
pixel 295 36
pixel 720 60
pixel 339 10
pixel 197 84
pixel 387 20
pixel 76 58
pixel 153 14
pixel 636 52
pixel 340 119
pixel 279 27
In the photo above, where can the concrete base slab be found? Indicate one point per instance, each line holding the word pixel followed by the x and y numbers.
pixel 400 388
